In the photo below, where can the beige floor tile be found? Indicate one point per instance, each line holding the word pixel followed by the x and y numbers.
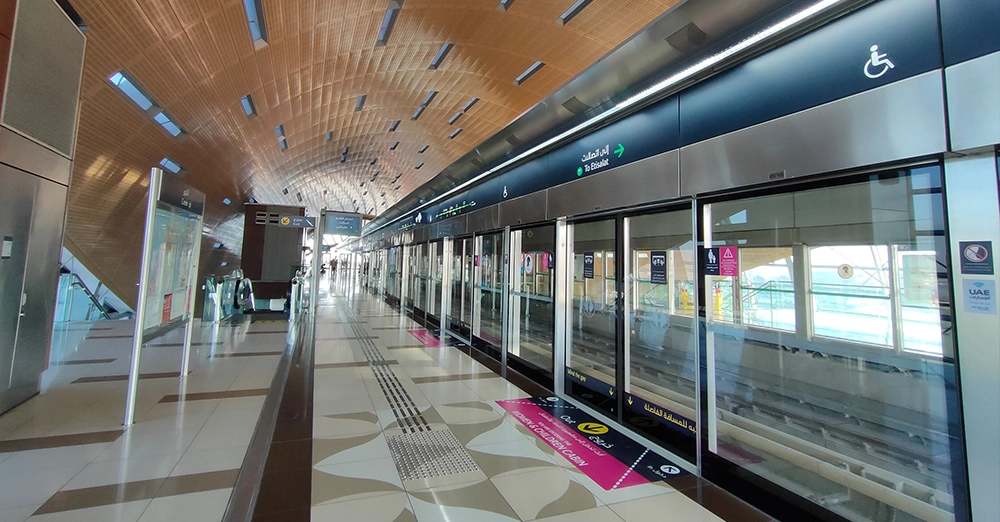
pixel 207 506
pixel 678 505
pixel 389 507
pixel 127 512
pixel 227 436
pixel 121 471
pixel 217 459
pixel 545 492
pixel 34 487
pixel 597 514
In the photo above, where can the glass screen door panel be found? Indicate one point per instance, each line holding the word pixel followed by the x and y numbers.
pixel 490 328
pixel 422 274
pixel 468 270
pixel 460 307
pixel 434 282
pixel 662 333
pixel 591 353
pixel 532 313
pixel 828 337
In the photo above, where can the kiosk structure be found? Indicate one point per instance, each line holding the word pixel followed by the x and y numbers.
pixel 169 272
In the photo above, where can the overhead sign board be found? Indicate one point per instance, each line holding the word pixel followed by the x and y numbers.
pixel 343 223
pixel 176 193
pixel 297 222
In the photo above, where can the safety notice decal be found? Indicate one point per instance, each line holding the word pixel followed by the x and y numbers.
pixel 608 457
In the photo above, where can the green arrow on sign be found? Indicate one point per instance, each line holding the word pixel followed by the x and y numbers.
pixel 620 150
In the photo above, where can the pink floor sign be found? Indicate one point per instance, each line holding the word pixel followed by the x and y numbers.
pixel 428 339
pixel 586 454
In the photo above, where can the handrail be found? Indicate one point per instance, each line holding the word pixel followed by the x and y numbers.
pixel 93 298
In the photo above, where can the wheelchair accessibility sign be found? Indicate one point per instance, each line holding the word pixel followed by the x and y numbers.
pixel 878 64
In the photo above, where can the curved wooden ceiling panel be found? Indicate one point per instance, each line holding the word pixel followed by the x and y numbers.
pixel 196 59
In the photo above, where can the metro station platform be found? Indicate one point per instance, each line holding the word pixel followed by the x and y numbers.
pixel 373 425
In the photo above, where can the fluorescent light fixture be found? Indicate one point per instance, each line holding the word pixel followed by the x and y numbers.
pixel 655 89
pixel 504 5
pixel 283 143
pixel 388 21
pixel 252 201
pixel 454 133
pixel 170 165
pixel 280 131
pixel 372 162
pixel 362 184
pixel 360 104
pixel 417 113
pixel 420 166
pixel 375 175
pixel 168 124
pixel 455 117
pixel 423 149
pixel 127 86
pixel 468 105
pixel 217 246
pixel 255 18
pixel 394 126
pixel 528 73
pixel 429 98
pixel 299 196
pixel 227 201
pixel 397 187
pixel 224 263
pixel 440 56
pixel 345 150
pixel 329 136
pixel 572 11
pixel 343 158
pixel 248 106
pixel 284 191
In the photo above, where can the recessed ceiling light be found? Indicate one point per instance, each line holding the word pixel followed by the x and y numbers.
pixel 343 158
pixel 224 263
pixel 423 149
pixel 254 11
pixel 529 72
pixel 454 133
pixel 226 201
pixel 248 107
pixel 329 136
pixel 394 145
pixel 417 113
pixel 299 196
pixel 360 103
pixel 388 21
pixel 468 105
pixel 283 143
pixel 217 246
pixel 394 126
pixel 455 117
pixel 284 191
pixel 280 131
pixel 429 98
pixel 372 162
pixel 418 167
pixel 572 11
pixel 504 5
pixel 440 56
pixel 375 175
pixel 170 165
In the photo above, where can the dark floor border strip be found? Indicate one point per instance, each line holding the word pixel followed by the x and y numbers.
pixel 274 332
pixel 388 327
pixel 59 441
pixel 81 361
pixel 205 396
pixel 129 336
pixel 114 378
pixel 73 499
pixel 247 354
pixel 244 495
pixel 454 377
pixel 337 338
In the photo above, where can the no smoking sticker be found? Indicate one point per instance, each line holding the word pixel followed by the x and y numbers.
pixel 976 257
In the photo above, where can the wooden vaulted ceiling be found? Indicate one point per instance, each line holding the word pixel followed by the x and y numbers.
pixel 196 59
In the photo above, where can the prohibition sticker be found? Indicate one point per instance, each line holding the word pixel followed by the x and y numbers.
pixel 977 257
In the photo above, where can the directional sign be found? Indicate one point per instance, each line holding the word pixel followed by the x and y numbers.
pixel 588 265
pixel 620 150
pixel 658 267
pixel 297 222
pixel 343 223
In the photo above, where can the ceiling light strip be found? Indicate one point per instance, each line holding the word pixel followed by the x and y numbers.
pixel 440 56
pixel 659 87
pixel 529 72
pixel 573 10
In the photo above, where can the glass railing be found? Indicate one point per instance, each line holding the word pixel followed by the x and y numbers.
pixel 75 302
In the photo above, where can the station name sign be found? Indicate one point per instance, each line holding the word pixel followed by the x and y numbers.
pixel 343 223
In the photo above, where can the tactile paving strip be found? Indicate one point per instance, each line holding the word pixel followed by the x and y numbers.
pixel 429 454
pixel 408 415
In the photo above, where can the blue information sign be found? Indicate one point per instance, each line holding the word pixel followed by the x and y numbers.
pixel 658 267
pixel 588 265
pixel 343 223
